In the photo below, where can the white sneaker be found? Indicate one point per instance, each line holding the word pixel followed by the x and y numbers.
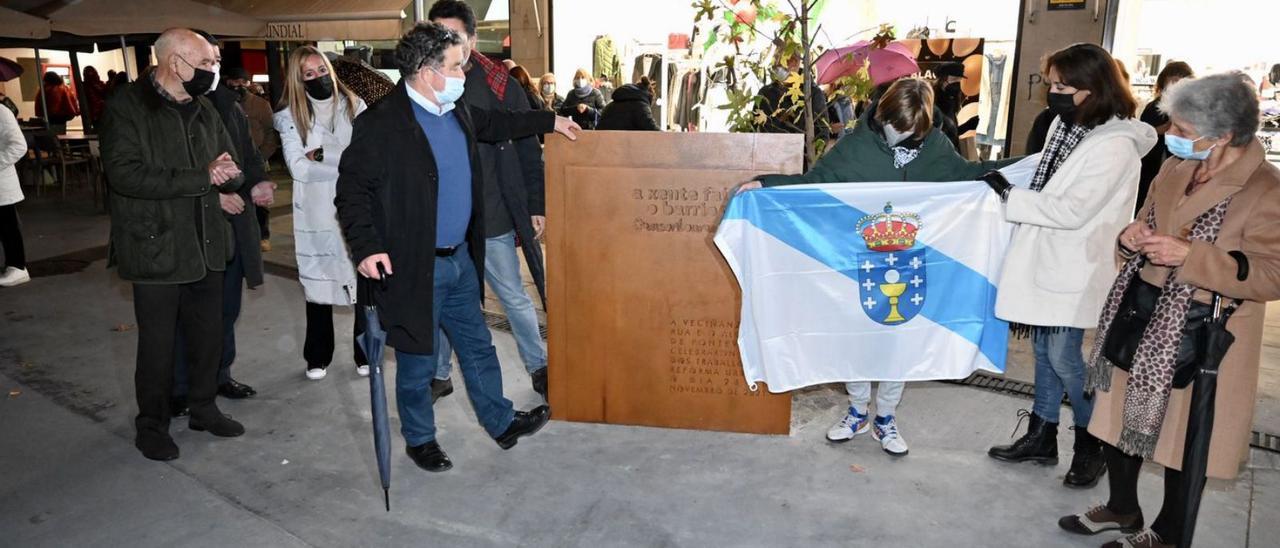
pixel 886 431
pixel 849 427
pixel 14 276
pixel 362 370
pixel 317 373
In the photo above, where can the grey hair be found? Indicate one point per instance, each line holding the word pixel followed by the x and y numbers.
pixel 424 46
pixel 1215 106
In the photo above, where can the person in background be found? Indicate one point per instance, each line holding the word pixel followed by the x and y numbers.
pixel 314 123
pixel 168 160
pixel 416 223
pixel 1210 225
pixel 245 267
pixel 1269 89
pixel 529 86
pixel 551 100
pixel 584 102
pixel 946 87
pixel 514 201
pixel 61 101
pixel 509 64
pixel 782 114
pixel 7 102
pixel 631 109
pixel 898 141
pixel 1058 268
pixel 1152 116
pixel 120 80
pixel 263 133
pixel 13 146
pixel 95 91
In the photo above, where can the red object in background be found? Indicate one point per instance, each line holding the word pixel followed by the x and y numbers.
pixel 254 61
pixel 677 41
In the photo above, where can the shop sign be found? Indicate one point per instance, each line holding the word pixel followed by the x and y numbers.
pixel 286 31
pixel 1056 5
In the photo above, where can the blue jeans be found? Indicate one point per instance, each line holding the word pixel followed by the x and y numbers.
pixel 456 308
pixel 232 294
pixel 502 272
pixel 1060 367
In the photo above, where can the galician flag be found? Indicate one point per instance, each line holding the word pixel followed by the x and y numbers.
pixel 867 281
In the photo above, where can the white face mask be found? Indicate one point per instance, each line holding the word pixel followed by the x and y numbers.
pixel 217 75
pixel 893 137
pixel 453 88
pixel 580 83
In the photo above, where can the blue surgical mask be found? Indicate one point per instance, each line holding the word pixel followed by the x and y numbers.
pixel 453 88
pixel 1185 148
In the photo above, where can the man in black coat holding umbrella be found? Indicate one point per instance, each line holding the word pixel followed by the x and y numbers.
pixel 410 200
pixel 514 203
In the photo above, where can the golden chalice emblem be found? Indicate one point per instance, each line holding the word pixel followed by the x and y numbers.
pixel 893 290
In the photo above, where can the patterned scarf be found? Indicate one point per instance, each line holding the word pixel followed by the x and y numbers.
pixel 904 155
pixel 1151 376
pixel 1060 145
pixel 495 74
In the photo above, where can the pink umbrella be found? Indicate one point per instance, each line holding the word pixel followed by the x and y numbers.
pixel 887 64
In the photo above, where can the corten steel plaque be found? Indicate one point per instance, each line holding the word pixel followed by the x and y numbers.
pixel 643 311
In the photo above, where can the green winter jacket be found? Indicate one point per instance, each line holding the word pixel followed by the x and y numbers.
pixel 862 156
pixel 167 225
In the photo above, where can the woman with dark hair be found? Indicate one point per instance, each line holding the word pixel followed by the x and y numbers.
pixel 61 101
pixel 631 109
pixel 895 140
pixel 95 91
pixel 1208 227
pixel 530 89
pixel 1058 268
pixel 1152 116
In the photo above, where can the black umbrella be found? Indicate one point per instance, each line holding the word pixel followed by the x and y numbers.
pixel 372 341
pixel 1215 341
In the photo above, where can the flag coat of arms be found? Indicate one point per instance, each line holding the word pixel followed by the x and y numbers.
pixel 867 281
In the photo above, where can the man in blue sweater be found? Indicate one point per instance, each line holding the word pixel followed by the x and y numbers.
pixel 410 201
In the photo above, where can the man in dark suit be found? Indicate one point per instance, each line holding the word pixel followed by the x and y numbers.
pixel 410 200
pixel 514 202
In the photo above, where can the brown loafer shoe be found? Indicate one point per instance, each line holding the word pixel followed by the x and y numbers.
pixel 1101 519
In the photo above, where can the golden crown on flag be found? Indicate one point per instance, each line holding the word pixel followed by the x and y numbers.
pixel 889 231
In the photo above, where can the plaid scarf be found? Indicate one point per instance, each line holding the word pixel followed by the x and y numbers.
pixel 495 74
pixel 1060 145
pixel 1146 397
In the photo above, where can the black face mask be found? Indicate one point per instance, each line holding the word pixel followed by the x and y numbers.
pixel 1064 105
pixel 320 88
pixel 241 92
pixel 200 83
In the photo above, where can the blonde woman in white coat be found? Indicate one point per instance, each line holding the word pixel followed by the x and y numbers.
pixel 315 127
pixel 1060 266
pixel 13 146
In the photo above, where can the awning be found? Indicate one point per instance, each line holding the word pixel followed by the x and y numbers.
pixel 307 20
pixel 15 24
pixel 115 17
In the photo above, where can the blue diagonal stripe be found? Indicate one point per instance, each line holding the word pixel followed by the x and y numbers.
pixel 821 226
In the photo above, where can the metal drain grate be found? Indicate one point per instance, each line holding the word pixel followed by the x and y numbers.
pixel 1259 440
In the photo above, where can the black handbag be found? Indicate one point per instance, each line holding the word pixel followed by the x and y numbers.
pixel 1136 307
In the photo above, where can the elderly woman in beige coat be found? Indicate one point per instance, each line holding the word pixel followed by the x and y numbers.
pixel 1211 224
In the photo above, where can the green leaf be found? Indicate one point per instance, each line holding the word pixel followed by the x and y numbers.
pixel 712 37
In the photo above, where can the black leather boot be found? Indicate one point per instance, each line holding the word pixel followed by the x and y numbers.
pixel 1038 445
pixel 1088 464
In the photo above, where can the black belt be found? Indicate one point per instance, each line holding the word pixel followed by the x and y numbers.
pixel 446 251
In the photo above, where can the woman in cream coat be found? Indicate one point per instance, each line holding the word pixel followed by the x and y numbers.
pixel 12 147
pixel 315 127
pixel 1059 266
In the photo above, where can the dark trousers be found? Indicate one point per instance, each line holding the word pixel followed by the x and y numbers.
pixel 232 296
pixel 318 347
pixel 264 222
pixel 162 311
pixel 11 237
pixel 1122 474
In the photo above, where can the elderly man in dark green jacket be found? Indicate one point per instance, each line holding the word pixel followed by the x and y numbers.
pixel 168 157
